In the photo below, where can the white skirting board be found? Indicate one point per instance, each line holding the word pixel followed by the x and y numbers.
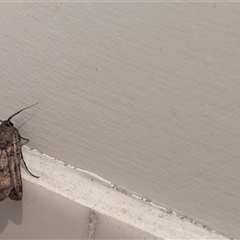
pixel 101 196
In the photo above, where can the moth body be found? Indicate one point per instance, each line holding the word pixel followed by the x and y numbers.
pixel 10 160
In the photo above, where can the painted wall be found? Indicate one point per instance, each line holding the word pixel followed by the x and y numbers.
pixel 146 95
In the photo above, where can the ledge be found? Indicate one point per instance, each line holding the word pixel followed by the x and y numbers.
pixel 103 197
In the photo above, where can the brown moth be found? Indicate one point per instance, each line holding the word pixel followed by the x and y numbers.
pixel 10 159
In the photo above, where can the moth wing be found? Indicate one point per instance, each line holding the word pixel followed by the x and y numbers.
pixel 14 161
pixel 6 183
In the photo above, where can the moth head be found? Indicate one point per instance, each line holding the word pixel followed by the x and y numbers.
pixel 7 123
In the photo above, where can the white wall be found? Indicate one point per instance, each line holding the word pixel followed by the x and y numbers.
pixel 145 95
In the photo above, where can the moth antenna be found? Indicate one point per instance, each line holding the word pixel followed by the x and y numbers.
pixel 20 111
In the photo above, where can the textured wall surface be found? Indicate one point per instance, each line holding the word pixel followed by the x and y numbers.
pixel 146 95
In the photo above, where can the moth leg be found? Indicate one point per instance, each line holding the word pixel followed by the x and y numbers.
pixel 25 165
pixel 26 139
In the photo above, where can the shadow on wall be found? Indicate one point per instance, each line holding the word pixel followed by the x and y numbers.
pixel 10 211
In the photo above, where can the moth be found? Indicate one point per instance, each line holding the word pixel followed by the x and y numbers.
pixel 10 160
